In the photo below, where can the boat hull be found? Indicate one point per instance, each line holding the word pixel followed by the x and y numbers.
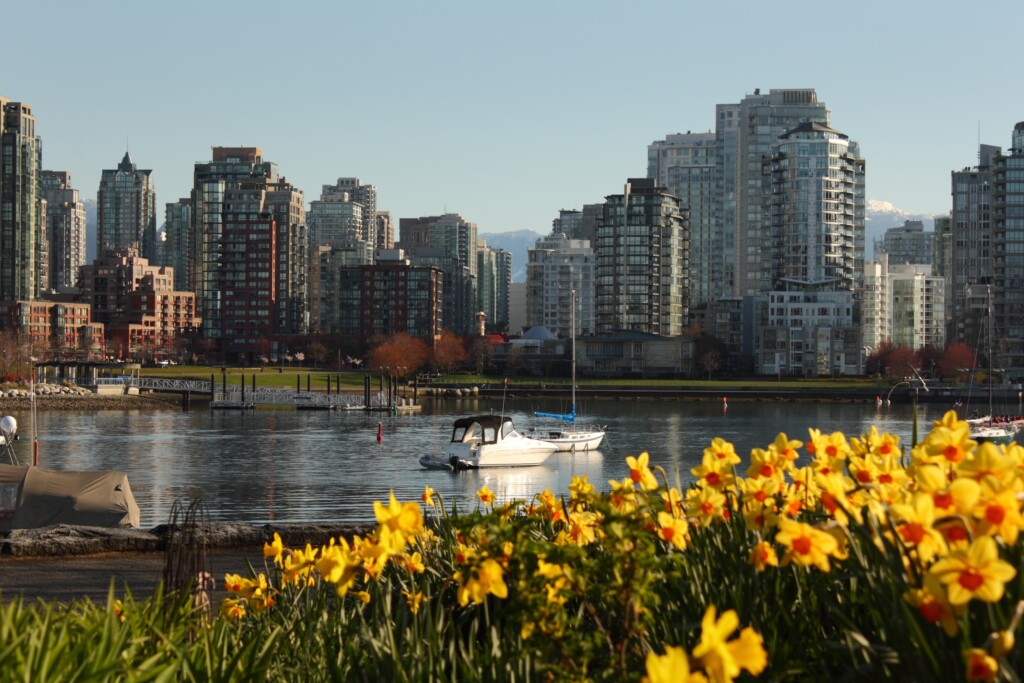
pixel 570 442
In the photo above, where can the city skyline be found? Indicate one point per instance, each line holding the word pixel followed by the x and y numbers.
pixel 502 114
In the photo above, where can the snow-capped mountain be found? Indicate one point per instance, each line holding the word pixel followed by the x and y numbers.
pixel 516 242
pixel 881 215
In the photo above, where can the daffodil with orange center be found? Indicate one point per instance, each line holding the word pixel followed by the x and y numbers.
pixel 998 513
pixel 299 564
pixel 766 464
pixel 476 583
pixel 723 450
pixel 485 495
pixel 723 659
pixel 639 472
pixel 989 461
pixel 673 501
pixel 947 444
pixel 673 530
pixel 427 496
pixel 981 666
pixel 706 505
pixel 714 473
pixel 834 496
pixel 671 667
pixel 933 605
pixel 622 495
pixel 582 528
pixel 974 573
pixel 232 608
pixel 915 526
pixel 805 545
pixel 763 555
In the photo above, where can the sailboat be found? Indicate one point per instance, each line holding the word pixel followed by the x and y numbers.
pixel 987 428
pixel 569 438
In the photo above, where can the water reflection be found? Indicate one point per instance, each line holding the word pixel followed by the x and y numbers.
pixel 297 466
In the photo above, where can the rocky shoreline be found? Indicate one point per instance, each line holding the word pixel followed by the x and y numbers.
pixel 66 539
pixel 90 402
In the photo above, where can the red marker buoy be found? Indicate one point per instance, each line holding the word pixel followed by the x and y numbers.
pixel 380 433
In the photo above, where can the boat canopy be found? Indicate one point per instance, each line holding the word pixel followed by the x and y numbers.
pixel 565 417
pixel 32 497
pixel 481 428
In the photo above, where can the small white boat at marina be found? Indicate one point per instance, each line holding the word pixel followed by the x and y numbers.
pixel 488 441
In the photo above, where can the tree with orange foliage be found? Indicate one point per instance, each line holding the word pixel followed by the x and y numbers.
pixel 403 353
pixel 956 359
pixel 449 352
pixel 898 363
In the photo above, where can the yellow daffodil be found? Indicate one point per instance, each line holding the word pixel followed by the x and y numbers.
pixel 673 530
pixel 118 609
pixel 762 556
pixel 485 495
pixel 723 450
pixel 989 461
pixel 232 608
pixel 477 583
pixel 339 565
pixel 622 495
pixel 640 473
pixel 805 545
pixel 914 523
pixel 673 500
pixel 580 489
pixel 274 550
pixel 706 505
pixel 714 472
pixel 427 496
pixel 947 444
pixel 981 666
pixel 722 658
pixel 998 513
pixel 582 528
pixel 414 600
pixel 671 667
pixel 402 518
pixel 933 605
pixel 975 572
pixel 363 597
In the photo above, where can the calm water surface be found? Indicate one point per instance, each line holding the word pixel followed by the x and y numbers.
pixel 290 466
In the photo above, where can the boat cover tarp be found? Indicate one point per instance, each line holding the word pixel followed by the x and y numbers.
pixel 31 497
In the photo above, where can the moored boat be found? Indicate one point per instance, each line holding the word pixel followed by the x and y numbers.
pixel 488 441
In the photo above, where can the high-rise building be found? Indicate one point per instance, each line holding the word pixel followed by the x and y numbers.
pixel 971 236
pixel 65 227
pixel 494 269
pixel 447 243
pixel 813 213
pixel 876 304
pixel 556 266
pixel 385 231
pixel 177 229
pixel 908 243
pixel 918 315
pixel 346 212
pixel 745 133
pixel 250 253
pixel 687 165
pixel 126 210
pixel 1008 254
pixel 641 255
pixel 21 224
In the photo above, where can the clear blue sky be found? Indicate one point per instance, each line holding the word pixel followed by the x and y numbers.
pixel 503 112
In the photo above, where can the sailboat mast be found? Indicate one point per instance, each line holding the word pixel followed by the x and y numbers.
pixel 988 324
pixel 572 351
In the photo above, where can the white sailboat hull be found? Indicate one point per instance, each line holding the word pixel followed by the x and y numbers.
pixel 570 441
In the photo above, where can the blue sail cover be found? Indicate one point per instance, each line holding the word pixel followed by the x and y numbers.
pixel 566 417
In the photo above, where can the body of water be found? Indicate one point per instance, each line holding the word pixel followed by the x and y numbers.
pixel 288 466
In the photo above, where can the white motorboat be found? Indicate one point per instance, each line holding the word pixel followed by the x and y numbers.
pixel 570 438
pixel 488 441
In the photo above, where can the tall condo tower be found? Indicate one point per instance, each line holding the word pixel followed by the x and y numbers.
pixel 65 228
pixel 126 210
pixel 21 225
pixel 1008 253
pixel 745 133
pixel 642 254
